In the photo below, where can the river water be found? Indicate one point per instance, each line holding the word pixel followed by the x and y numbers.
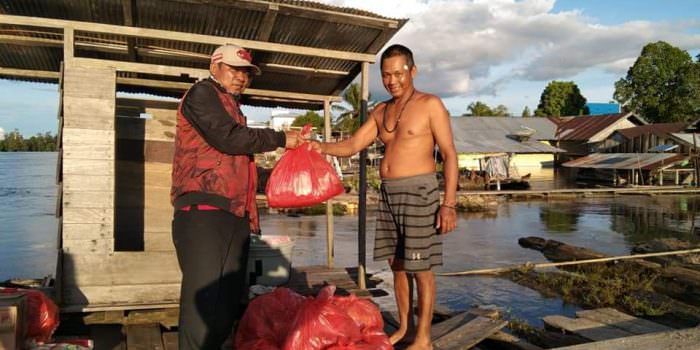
pixel 611 225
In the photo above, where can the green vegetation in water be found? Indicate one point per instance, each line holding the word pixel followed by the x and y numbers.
pixel 15 142
pixel 524 330
pixel 320 209
pixel 598 286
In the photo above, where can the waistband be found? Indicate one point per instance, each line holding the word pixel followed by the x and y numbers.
pixel 411 180
pixel 199 207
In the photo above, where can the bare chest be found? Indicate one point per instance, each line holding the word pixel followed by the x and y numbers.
pixel 396 124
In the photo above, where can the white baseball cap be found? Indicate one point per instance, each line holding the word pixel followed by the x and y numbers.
pixel 235 56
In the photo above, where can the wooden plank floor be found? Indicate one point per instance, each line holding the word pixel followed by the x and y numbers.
pixel 461 331
pixel 611 329
pixel 671 340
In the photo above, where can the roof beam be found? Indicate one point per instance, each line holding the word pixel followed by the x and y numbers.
pixel 265 29
pixel 180 36
pixel 155 51
pixel 28 73
pixel 174 85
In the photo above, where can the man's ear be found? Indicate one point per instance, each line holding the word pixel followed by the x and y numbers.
pixel 414 70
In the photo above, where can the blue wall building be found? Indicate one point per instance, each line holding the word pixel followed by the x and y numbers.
pixel 603 108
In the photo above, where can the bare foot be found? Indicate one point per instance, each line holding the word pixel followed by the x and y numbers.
pixel 421 344
pixel 397 336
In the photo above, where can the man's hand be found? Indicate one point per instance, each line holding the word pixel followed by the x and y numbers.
pixel 447 219
pixel 294 139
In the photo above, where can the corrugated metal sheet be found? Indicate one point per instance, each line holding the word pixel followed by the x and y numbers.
pixel 646 161
pixel 687 138
pixel 496 135
pixel 301 23
pixel 585 127
pixel 660 129
pixel 544 128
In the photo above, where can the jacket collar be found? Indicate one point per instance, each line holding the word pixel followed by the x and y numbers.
pixel 221 88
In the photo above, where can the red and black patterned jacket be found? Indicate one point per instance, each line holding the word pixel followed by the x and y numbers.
pixel 213 162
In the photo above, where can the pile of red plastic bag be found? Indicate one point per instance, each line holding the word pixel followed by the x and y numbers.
pixel 41 321
pixel 285 320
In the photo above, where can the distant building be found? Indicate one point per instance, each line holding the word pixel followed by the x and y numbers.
pixel 602 108
pixel 583 135
pixel 2 134
pixel 645 138
pixel 282 119
pixel 524 144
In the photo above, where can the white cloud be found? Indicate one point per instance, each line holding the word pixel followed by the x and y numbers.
pixel 458 44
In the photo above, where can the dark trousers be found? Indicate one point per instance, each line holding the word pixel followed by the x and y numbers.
pixel 212 250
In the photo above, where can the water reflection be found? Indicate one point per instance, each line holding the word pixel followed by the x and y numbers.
pixel 484 240
pixel 558 219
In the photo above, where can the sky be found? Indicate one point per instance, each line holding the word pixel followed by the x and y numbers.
pixel 495 51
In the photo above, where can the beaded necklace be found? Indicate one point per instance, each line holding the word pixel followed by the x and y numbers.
pixel 398 119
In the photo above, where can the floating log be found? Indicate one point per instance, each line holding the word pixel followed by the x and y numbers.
pixel 558 251
pixel 678 282
pixel 691 261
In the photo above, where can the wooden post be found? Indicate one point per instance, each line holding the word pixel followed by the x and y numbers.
pixel 68 43
pixel 678 176
pixel 695 163
pixel 329 203
pixel 661 177
pixel 362 205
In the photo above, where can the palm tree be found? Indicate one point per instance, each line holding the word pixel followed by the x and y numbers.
pixel 349 118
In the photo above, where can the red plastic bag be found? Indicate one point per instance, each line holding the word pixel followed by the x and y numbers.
pixel 42 314
pixel 368 319
pixel 320 324
pixel 285 320
pixel 268 320
pixel 301 178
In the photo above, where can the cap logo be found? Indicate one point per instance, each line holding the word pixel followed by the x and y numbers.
pixel 244 55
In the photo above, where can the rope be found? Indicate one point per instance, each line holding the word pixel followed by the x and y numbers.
pixel 529 265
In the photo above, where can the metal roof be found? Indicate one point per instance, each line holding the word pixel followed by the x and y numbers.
pixel 646 161
pixel 687 138
pixel 496 135
pixel 584 128
pixel 659 129
pixel 544 128
pixel 302 24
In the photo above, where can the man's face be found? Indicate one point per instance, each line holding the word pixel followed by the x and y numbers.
pixel 233 79
pixel 397 77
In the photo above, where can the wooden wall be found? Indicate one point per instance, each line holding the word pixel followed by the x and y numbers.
pixel 116 180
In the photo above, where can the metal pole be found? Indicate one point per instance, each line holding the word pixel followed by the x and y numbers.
pixel 329 203
pixel 362 205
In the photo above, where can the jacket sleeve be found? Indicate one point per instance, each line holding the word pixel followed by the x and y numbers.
pixel 203 109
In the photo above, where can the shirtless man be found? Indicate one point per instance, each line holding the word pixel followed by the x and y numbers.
pixel 410 216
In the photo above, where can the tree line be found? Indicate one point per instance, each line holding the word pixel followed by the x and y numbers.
pixel 663 86
pixel 15 142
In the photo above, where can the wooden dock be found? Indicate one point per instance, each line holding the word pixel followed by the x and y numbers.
pixel 609 329
pixel 156 328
